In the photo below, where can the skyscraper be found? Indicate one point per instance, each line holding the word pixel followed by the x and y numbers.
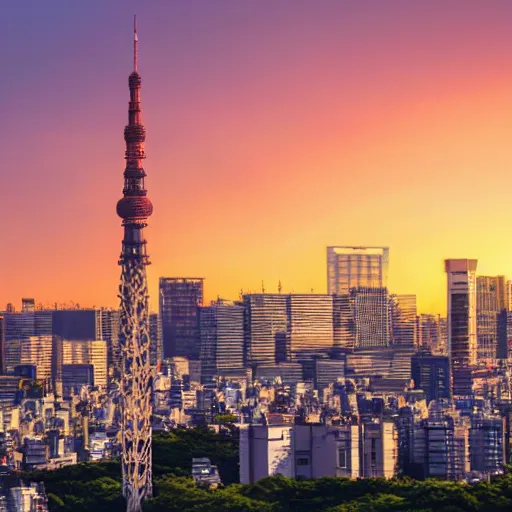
pixel 354 267
pixel 155 336
pixel 82 352
pixel 179 299
pixel 490 300
pixel 310 325
pixel 222 340
pixel 431 336
pixel 266 324
pixel 136 384
pixel 462 340
pixel 403 320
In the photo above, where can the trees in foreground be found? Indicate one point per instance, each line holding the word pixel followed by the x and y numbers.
pixel 97 486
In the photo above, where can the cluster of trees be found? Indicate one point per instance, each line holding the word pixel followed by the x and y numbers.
pixel 97 486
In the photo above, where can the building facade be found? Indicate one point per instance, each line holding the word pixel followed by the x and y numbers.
pixel 490 301
pixel 462 325
pixel 179 299
pixel 354 267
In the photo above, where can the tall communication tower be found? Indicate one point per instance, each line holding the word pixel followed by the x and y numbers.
pixel 136 379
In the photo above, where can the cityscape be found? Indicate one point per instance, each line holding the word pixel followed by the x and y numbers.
pixel 352 396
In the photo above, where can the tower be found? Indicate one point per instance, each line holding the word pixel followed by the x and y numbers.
pixel 136 379
pixel 462 339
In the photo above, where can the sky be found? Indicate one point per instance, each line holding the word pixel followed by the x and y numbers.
pixel 275 128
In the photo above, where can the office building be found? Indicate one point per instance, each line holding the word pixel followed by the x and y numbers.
pixel 310 325
pixel 155 338
pixel 266 322
pixel 179 300
pixel 2 345
pixel 356 267
pixel 371 317
pixel 74 376
pixel 28 305
pixel 504 334
pixel 490 301
pixel 35 351
pixel 431 334
pixel 403 320
pixel 462 335
pixel 110 334
pixel 329 371
pixel 221 327
pixel 431 374
pixel 77 324
pixel 82 352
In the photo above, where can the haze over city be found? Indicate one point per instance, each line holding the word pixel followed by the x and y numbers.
pixel 272 133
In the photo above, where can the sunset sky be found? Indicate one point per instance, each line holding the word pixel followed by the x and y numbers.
pixel 275 128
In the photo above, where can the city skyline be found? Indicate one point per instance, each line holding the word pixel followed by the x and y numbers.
pixel 286 132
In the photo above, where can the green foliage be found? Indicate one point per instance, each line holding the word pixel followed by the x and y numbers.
pixel 97 486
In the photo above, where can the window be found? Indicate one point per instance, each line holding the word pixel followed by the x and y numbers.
pixel 342 458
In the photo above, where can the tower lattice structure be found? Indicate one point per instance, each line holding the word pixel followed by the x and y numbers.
pixel 136 379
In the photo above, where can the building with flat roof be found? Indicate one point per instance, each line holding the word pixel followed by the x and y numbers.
pixel 180 298
pixel 354 267
pixel 462 324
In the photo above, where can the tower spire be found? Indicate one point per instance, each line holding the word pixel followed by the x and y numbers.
pixel 135 44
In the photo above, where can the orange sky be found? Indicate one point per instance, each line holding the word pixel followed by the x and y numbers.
pixel 273 132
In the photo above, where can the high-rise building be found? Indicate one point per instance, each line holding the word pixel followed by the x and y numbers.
pixel 432 375
pixel 462 339
pixel 222 339
pixel 490 300
pixel 310 326
pixel 266 322
pixel 28 305
pixel 361 319
pixel 371 317
pixel 403 320
pixel 504 334
pixel 74 376
pixel 155 338
pixel 110 334
pixel 82 352
pixel 2 345
pixel 38 351
pixel 354 267
pixel 288 327
pixel 431 334
pixel 179 299
pixel 77 324
pixel 509 295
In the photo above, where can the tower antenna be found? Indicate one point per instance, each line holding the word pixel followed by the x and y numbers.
pixel 135 43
